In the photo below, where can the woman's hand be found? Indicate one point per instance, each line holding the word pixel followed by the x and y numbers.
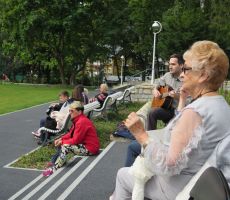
pixel 156 93
pixel 57 142
pixel 53 104
pixel 183 93
pixel 134 124
pixel 182 101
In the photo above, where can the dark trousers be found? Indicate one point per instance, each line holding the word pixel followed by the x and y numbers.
pixel 42 122
pixel 158 114
pixel 56 155
pixel 134 149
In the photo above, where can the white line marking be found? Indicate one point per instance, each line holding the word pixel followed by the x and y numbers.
pixel 35 190
pixel 62 179
pixel 20 168
pixel 33 182
pixel 84 173
pixel 25 188
pixel 42 184
pixel 8 165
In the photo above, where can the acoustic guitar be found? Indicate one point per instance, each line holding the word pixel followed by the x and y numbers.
pixel 164 100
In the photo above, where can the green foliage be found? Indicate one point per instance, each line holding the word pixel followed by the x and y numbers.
pixel 219 22
pixel 183 24
pixel 142 15
pixel 226 94
pixel 47 32
pixel 42 37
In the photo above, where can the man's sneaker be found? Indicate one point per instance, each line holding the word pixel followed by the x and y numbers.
pixel 47 172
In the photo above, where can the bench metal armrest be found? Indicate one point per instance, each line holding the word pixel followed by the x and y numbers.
pixel 63 128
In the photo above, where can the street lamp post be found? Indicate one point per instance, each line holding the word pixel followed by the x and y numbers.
pixel 122 66
pixel 156 26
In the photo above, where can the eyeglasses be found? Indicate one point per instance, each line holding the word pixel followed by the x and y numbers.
pixel 185 69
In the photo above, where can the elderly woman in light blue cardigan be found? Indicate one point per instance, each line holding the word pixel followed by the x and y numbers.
pixel 190 138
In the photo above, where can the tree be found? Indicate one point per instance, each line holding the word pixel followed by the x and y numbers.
pixel 219 22
pixel 142 15
pixel 110 30
pixel 48 33
pixel 183 24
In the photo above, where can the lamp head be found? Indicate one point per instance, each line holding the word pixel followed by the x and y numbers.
pixel 156 26
pixel 122 57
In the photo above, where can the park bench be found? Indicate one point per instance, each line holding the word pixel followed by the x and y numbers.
pixel 126 96
pixel 109 104
pixel 114 97
pixel 88 108
pixel 49 135
pixel 221 148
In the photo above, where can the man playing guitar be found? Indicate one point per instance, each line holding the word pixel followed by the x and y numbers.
pixel 170 79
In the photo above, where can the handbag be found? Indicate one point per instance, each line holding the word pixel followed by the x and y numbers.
pixel 212 185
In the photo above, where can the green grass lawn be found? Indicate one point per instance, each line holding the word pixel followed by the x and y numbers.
pixel 40 157
pixel 16 97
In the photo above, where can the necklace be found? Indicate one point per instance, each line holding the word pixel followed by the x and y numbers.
pixel 200 95
pixel 206 93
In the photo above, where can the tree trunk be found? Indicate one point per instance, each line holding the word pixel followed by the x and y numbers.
pixel 47 73
pixel 61 69
pixel 117 68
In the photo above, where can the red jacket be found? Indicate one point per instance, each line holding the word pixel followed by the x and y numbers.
pixel 82 132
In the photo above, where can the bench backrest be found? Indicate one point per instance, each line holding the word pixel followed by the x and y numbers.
pixel 219 158
pixel 131 88
pixel 116 95
pixel 107 101
pixel 91 106
pixel 126 96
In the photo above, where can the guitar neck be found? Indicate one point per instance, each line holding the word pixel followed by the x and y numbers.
pixel 163 95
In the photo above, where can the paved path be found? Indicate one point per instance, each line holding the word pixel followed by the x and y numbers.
pixel 16 140
pixel 84 178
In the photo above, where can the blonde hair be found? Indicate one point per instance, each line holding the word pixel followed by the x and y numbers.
pixel 104 87
pixel 207 56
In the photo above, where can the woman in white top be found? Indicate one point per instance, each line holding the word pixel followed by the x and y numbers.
pixel 190 137
pixel 78 94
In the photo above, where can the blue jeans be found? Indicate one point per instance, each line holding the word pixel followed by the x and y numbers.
pixel 125 134
pixel 56 155
pixel 134 149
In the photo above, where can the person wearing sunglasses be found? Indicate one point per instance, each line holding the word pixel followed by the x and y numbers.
pixel 189 138
pixel 81 139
